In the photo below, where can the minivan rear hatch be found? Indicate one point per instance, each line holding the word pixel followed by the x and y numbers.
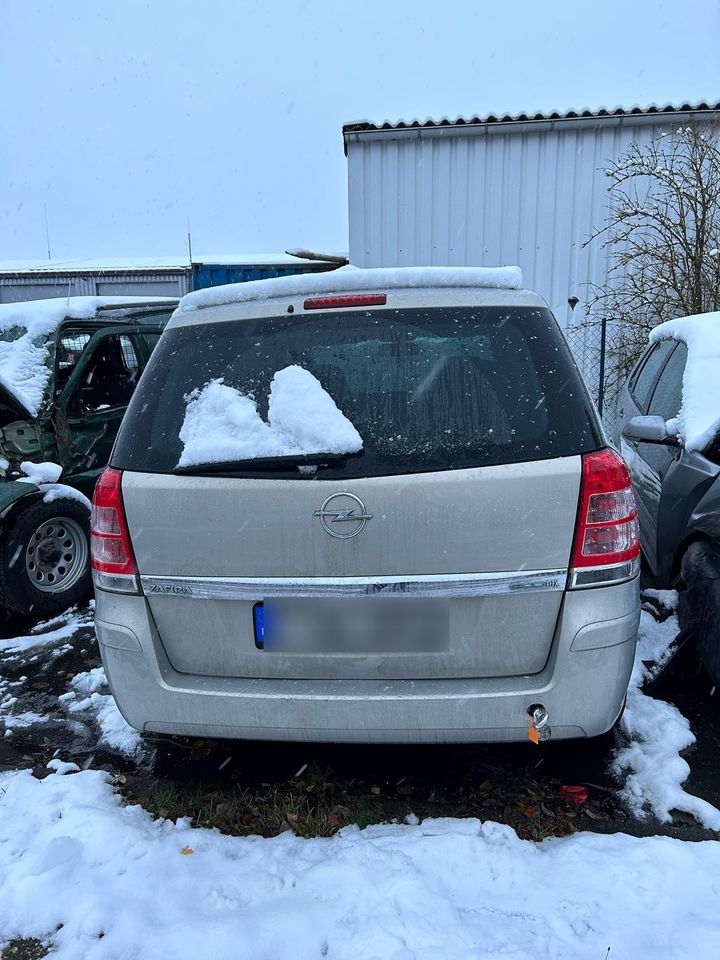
pixel 472 421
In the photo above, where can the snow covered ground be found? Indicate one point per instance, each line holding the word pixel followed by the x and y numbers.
pixel 658 733
pixel 87 697
pixel 114 729
pixel 101 880
pixel 49 633
pixel 97 878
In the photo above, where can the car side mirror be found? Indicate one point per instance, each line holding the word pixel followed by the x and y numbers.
pixel 649 430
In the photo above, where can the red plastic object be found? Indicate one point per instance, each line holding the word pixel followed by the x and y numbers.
pixel 576 795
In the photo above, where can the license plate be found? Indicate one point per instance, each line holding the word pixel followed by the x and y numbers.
pixel 359 625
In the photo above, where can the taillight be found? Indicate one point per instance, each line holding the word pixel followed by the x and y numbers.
pixel 111 552
pixel 606 534
pixel 355 300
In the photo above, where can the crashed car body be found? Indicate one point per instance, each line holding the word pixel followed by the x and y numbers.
pixel 669 434
pixel 68 368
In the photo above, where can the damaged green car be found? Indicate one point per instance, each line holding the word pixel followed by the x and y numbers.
pixel 68 368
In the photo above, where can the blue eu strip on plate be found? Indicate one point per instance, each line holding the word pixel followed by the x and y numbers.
pixel 259 625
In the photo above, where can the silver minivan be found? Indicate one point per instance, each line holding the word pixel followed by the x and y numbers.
pixel 370 505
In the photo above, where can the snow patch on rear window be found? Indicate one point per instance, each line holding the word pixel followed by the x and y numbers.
pixel 223 424
pixel 354 280
pixel 699 419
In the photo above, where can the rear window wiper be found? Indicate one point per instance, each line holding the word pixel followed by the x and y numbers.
pixel 268 463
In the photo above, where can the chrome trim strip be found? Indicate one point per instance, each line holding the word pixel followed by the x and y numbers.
pixel 603 576
pixel 434 585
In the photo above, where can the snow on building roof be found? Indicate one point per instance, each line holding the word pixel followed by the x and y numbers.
pixel 25 330
pixel 656 111
pixel 699 418
pixel 93 265
pixel 148 264
pixel 353 279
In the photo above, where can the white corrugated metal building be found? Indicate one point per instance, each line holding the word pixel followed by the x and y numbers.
pixel 145 276
pixel 525 190
pixel 41 279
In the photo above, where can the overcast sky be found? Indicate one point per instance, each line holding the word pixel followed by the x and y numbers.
pixel 127 118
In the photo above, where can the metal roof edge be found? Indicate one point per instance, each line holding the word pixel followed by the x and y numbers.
pixel 352 132
pixel 146 266
pixel 36 272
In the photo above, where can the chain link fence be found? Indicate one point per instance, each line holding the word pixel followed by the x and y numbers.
pixel 596 347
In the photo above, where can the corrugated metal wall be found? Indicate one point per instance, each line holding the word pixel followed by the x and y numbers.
pixel 40 285
pixel 517 193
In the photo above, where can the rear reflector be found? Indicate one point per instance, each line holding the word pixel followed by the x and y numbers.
pixel 358 300
pixel 607 527
pixel 112 559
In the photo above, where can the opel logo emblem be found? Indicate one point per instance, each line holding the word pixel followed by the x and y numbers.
pixel 343 515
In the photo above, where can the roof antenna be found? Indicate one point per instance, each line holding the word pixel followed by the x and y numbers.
pixel 189 244
pixel 47 231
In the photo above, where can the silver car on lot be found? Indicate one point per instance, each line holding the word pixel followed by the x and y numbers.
pixel 470 573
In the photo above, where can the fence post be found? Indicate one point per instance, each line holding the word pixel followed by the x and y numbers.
pixel 601 385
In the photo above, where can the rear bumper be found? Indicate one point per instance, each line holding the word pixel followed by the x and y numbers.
pixel 583 686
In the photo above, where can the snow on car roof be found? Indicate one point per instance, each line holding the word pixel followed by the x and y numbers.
pixel 352 279
pixel 25 329
pixel 699 417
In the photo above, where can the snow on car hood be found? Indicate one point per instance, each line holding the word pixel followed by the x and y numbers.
pixel 26 330
pixel 221 423
pixel 699 417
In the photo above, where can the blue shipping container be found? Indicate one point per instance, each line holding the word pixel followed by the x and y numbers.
pixel 216 274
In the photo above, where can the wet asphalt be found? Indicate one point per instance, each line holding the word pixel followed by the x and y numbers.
pixel 520 784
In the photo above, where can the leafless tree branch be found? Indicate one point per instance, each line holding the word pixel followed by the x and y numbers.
pixel 663 238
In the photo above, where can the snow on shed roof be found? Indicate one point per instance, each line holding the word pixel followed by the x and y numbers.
pixel 148 264
pixel 353 279
pixel 25 329
pixel 93 265
pixel 699 418
pixel 602 113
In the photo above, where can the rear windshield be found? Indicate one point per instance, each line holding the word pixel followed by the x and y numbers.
pixel 427 389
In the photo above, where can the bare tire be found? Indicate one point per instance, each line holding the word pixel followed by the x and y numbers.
pixel 45 558
pixel 699 604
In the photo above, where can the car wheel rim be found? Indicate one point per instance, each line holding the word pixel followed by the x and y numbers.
pixel 56 555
